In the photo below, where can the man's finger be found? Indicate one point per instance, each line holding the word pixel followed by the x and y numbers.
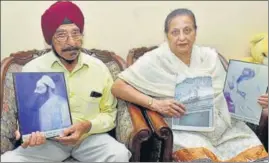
pixel 43 138
pixel 32 140
pixel 17 135
pixel 25 144
pixel 39 138
pixel 67 132
pixel 66 139
pixel 69 140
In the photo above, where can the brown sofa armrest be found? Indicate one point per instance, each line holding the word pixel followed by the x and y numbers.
pixel 141 131
pixel 131 129
pixel 158 123
pixel 139 123
pixel 163 131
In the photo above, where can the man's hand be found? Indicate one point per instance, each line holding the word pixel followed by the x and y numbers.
pixel 35 139
pixel 17 135
pixel 72 134
pixel 263 101
pixel 169 107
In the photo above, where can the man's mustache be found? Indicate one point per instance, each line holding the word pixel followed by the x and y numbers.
pixel 72 48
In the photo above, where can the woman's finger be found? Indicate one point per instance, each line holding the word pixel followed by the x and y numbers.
pixel 166 113
pixel 177 109
pixel 263 99
pixel 170 114
pixel 174 112
pixel 179 104
pixel 263 103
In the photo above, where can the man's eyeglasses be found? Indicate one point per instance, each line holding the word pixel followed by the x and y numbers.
pixel 63 36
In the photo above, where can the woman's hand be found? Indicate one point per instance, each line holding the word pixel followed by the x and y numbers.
pixel 169 107
pixel 263 101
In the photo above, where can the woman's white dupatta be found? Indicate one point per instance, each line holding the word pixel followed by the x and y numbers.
pixel 155 73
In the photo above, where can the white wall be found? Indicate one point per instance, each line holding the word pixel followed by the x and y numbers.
pixel 120 26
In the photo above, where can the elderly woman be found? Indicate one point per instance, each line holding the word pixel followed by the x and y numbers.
pixel 150 82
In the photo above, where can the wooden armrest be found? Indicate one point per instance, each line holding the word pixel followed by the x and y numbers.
pixel 141 131
pixel 163 131
pixel 141 128
pixel 158 124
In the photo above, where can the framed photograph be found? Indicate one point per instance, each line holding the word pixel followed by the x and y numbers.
pixel 245 83
pixel 42 103
pixel 197 95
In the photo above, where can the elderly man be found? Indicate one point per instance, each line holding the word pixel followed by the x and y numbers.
pixel 93 107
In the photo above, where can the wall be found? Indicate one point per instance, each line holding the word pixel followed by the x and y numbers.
pixel 120 26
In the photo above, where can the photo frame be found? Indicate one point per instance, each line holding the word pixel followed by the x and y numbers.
pixel 245 82
pixel 42 103
pixel 197 95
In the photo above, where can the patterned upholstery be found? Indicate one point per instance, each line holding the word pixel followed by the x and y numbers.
pixel 8 117
pixel 9 110
pixel 124 123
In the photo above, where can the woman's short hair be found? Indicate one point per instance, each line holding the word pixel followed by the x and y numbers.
pixel 178 12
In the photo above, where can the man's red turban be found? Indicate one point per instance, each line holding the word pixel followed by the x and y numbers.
pixel 55 15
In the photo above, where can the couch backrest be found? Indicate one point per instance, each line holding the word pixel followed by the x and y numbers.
pixel 135 53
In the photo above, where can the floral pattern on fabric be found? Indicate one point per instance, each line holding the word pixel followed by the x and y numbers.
pixel 9 117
